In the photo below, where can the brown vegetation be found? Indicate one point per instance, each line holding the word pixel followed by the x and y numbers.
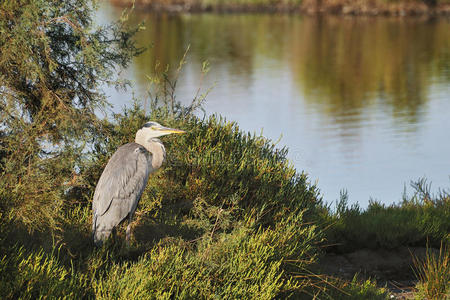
pixel 339 7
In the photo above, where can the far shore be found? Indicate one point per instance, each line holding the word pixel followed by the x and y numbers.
pixel 307 7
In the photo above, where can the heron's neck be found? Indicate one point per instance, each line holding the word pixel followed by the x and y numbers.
pixel 154 146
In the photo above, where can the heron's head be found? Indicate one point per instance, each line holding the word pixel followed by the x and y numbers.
pixel 154 130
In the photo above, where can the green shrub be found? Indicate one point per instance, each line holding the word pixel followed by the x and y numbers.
pixel 245 263
pixel 53 61
pixel 417 220
pixel 38 275
pixel 433 274
pixel 356 290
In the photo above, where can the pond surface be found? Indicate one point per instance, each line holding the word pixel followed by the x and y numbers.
pixel 363 104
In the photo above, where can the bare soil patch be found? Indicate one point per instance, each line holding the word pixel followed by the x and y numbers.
pixel 391 268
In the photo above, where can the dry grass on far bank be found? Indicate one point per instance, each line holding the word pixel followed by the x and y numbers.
pixel 338 7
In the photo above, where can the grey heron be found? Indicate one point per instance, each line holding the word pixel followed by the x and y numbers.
pixel 124 179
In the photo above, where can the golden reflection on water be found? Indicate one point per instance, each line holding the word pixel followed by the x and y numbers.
pixel 349 63
pixel 340 65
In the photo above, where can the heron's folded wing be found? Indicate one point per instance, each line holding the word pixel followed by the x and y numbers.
pixel 123 179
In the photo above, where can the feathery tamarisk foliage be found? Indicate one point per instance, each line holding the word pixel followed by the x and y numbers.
pixel 53 60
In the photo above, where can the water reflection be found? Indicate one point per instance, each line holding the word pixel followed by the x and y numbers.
pixel 340 65
pixel 355 98
pixel 350 63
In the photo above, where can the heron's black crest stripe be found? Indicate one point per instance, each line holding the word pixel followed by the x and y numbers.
pixel 150 124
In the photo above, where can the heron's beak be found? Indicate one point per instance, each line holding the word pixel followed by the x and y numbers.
pixel 171 130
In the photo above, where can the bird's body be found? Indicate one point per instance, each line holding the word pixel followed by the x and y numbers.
pixel 124 178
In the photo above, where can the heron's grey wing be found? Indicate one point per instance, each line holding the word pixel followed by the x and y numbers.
pixel 123 180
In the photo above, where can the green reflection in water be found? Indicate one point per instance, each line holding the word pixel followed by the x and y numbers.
pixel 350 63
pixel 341 66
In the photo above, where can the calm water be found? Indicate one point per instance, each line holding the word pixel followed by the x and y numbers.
pixel 363 104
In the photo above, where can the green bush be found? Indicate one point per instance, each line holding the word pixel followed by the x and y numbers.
pixel 245 263
pixel 416 221
pixel 433 274
pixel 355 290
pixel 38 275
pixel 53 61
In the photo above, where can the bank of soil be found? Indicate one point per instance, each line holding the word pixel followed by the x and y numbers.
pixel 311 7
pixel 390 268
